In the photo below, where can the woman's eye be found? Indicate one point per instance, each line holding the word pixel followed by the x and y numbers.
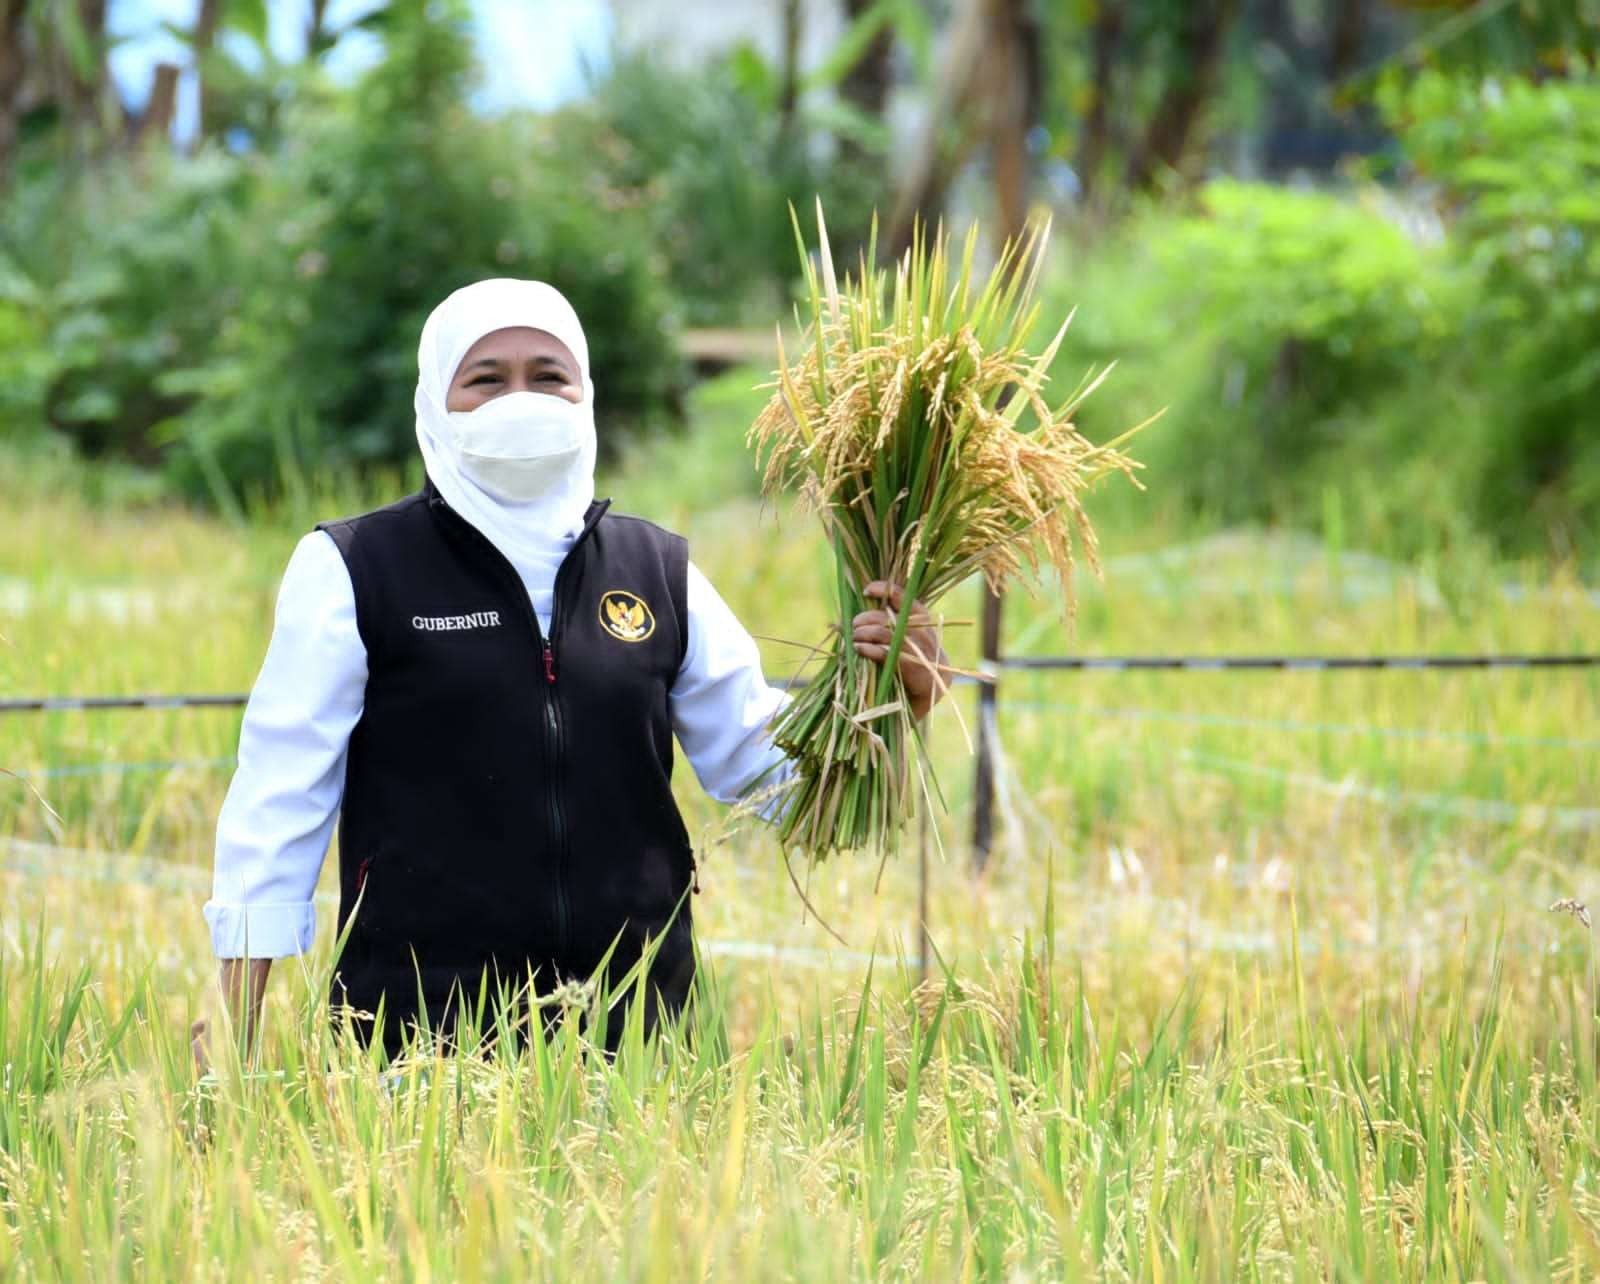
pixel 483 379
pixel 552 376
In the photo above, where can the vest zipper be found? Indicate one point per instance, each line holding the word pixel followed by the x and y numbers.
pixel 556 812
pixel 558 815
pixel 554 730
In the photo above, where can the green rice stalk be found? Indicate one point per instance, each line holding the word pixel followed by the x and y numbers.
pixel 915 424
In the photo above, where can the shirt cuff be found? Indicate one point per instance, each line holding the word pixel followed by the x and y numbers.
pixel 271 931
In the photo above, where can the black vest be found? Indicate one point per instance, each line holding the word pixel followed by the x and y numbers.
pixel 508 802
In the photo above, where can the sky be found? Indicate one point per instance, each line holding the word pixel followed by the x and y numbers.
pixel 532 51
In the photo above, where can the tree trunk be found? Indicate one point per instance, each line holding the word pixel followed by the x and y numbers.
pixel 38 69
pixel 12 13
pixel 86 87
pixel 789 84
pixel 1106 37
pixel 1197 63
pixel 866 85
pixel 1348 38
pixel 201 39
pixel 1014 81
pixel 933 164
pixel 156 119
pixel 317 30
pixel 1291 112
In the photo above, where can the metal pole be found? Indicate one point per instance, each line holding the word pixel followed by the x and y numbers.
pixel 983 780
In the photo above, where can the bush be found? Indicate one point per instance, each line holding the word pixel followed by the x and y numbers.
pixel 119 276
pixel 1316 359
pixel 1271 323
pixel 370 216
pixel 1315 308
pixel 237 318
pixel 1518 171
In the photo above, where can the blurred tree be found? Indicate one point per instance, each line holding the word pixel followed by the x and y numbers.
pixel 1123 88
pixel 702 164
pixel 1015 77
pixel 80 70
pixel 1198 41
pixel 1107 24
pixel 862 69
pixel 13 34
pixel 1302 55
pixel 788 72
pixel 240 315
pixel 1348 36
pixel 1131 87
pixel 55 76
pixel 244 84
pixel 865 87
pixel 988 89
pixel 53 73
pixel 319 39
pixel 377 205
pixel 254 90
pixel 1534 38
pixel 202 36
pixel 155 121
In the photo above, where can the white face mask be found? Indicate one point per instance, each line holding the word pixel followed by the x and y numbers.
pixel 524 445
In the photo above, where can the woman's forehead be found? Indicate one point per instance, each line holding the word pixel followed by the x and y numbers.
pixel 516 344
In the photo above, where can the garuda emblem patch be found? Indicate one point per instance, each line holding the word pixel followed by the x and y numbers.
pixel 625 616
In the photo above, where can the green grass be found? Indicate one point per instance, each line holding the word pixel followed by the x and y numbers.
pixel 1261 982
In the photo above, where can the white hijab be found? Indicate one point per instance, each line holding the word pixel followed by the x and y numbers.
pixel 535 536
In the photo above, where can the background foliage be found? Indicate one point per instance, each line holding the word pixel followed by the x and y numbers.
pixel 1425 351
pixel 1403 339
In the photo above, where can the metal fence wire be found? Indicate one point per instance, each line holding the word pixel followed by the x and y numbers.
pixel 994 666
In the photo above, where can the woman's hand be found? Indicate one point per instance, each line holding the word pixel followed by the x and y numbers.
pixel 244 986
pixel 922 658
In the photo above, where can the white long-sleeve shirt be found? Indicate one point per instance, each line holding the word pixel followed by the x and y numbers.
pixel 281 808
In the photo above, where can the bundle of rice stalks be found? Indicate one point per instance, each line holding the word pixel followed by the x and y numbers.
pixel 915 425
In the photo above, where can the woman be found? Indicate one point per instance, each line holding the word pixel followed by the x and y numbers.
pixel 486 678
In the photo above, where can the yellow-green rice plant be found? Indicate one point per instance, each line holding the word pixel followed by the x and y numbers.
pixel 915 424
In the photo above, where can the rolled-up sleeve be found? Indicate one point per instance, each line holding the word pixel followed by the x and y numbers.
pixel 721 704
pixel 279 814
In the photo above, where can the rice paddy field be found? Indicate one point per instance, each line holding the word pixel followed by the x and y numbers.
pixel 1262 980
